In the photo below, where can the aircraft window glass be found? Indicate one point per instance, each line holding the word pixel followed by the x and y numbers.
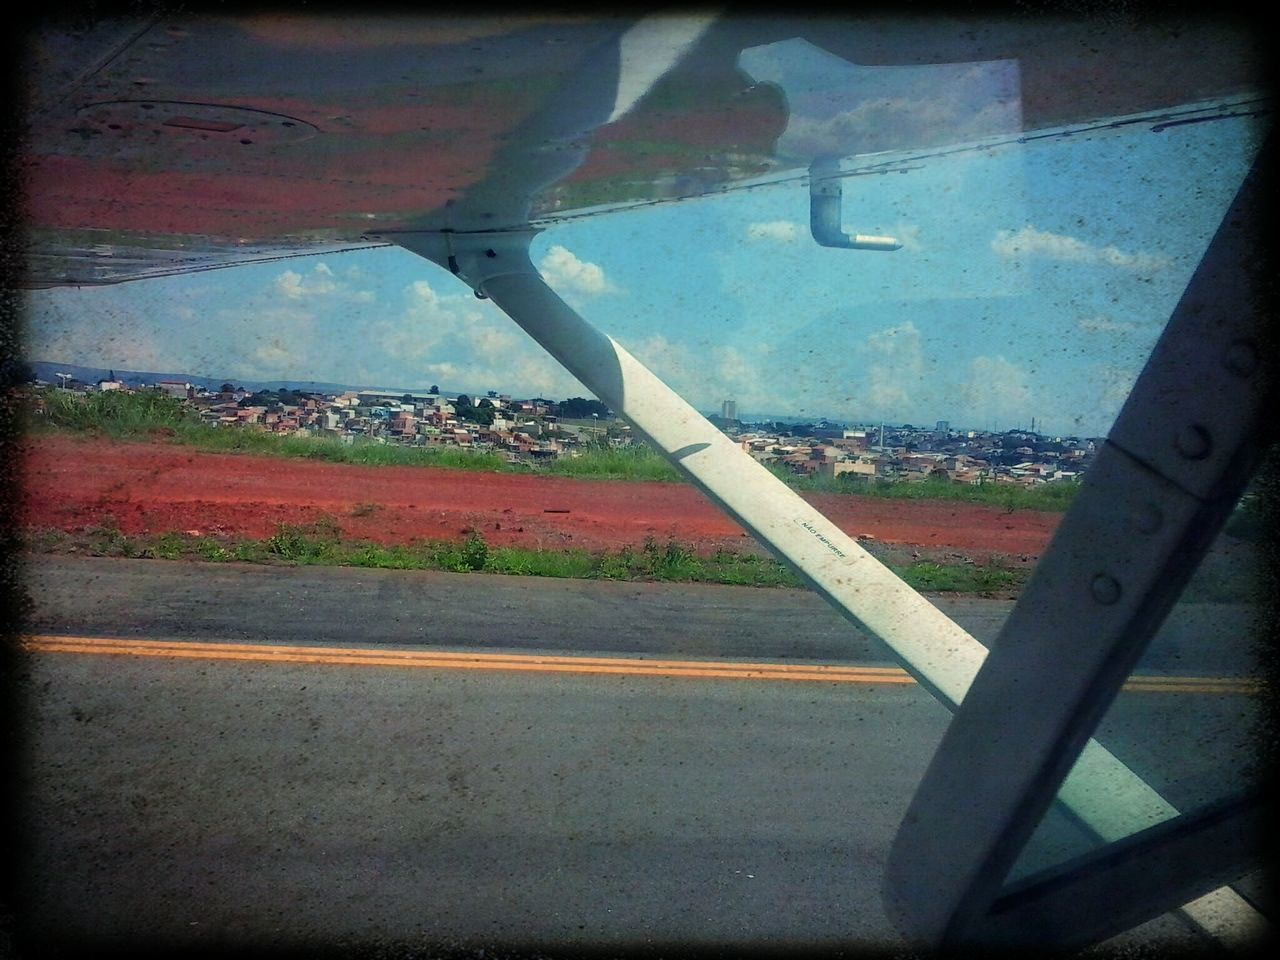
pixel 1190 720
pixel 1033 280
pixel 1032 277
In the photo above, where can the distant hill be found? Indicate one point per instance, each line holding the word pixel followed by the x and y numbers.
pixel 48 372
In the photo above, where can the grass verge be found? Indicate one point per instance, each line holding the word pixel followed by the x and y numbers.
pixel 1053 497
pixel 322 544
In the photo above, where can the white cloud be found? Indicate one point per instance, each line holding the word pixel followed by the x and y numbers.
pixel 490 341
pixel 894 371
pixel 674 363
pixel 538 373
pixel 950 113
pixel 707 375
pixel 782 231
pixel 307 322
pixel 525 372
pixel 421 292
pixel 453 340
pixel 1029 242
pixel 997 390
pixel 444 370
pixel 427 321
pixel 320 281
pixel 273 356
pixel 289 284
pixel 273 342
pixel 732 367
pixel 566 273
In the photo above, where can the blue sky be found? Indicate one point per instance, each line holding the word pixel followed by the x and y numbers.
pixel 1033 281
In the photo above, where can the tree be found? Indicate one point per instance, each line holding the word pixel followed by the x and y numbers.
pixel 434 389
pixel 225 388
pixel 407 398
pixel 580 408
pixel 482 415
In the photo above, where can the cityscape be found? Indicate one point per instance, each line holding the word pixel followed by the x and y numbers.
pixel 526 430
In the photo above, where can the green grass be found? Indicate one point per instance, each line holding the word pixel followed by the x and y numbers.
pixel 569 564
pixel 362 452
pixel 614 463
pixel 148 414
pixel 1052 497
pixel 117 414
pixel 322 544
pixel 961 578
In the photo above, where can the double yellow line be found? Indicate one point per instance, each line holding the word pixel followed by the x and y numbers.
pixel 538 663
pixel 438 660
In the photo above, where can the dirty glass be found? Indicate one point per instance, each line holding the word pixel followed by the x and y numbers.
pixel 938 394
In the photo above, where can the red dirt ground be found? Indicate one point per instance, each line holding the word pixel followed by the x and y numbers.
pixel 75 483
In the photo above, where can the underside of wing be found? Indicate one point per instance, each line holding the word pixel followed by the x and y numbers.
pixel 180 144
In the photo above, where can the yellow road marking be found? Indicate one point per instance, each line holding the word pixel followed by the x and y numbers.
pixel 630 666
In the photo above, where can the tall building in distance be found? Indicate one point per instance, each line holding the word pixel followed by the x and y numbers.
pixel 729 410
pixel 943 426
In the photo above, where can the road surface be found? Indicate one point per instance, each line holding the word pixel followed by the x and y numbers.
pixel 231 803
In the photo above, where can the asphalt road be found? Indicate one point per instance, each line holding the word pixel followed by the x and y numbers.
pixel 189 803
pixel 344 605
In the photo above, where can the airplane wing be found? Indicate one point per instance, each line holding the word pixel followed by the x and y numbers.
pixel 173 145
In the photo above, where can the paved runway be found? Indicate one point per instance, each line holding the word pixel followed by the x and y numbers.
pixel 229 803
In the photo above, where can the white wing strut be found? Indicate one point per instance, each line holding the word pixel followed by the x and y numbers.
pixel 1101 791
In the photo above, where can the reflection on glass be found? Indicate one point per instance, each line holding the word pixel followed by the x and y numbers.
pixel 840 109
